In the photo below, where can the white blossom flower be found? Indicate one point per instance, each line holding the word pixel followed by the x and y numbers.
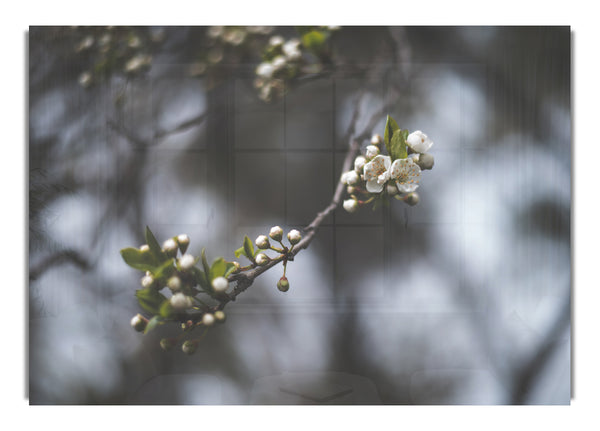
pixel 291 49
pixel 372 170
pixel 220 284
pixel 359 163
pixel 265 70
pixel 350 205
pixel 371 151
pixel 276 233
pixel 294 236
pixel 383 178
pixel 262 242
pixel 186 261
pixel 180 302
pixel 419 142
pixel 406 173
pixel 208 319
pixel 276 40
pixel 278 62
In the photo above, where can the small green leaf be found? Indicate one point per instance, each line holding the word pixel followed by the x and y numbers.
pixel 153 323
pixel 205 262
pixel 390 127
pixel 166 309
pixel 154 246
pixel 313 40
pixel 163 271
pixel 142 260
pixel 239 252
pixel 200 278
pixel 218 268
pixel 150 300
pixel 230 269
pixel 398 145
pixel 249 248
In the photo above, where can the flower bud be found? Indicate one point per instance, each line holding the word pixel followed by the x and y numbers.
pixel 139 322
pixel 208 319
pixel 350 205
pixel 147 281
pixel 294 236
pixel 186 262
pixel 183 240
pixel 262 259
pixel 85 79
pixel 220 316
pixel 359 163
pixel 189 347
pixel 371 151
pixel 220 284
pixel 425 161
pixel 278 62
pixel 174 283
pixel 237 266
pixel 283 284
pixel 391 189
pixel 412 199
pixel 167 344
pixel 144 248
pixel 170 247
pixel 376 139
pixel 276 233
pixel 351 178
pixel 262 242
pixel 276 41
pixel 350 189
pixel 180 302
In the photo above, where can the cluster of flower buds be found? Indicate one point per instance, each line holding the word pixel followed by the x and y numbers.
pixel 111 50
pixel 285 60
pixel 376 177
pixel 227 42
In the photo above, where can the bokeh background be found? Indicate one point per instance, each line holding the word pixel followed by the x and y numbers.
pixel 462 299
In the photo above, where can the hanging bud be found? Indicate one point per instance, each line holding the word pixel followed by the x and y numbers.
pixel 262 242
pixel 139 322
pixel 276 233
pixel 147 281
pixel 283 284
pixel 391 189
pixel 412 199
pixel 425 161
pixel 376 139
pixel 186 262
pixel 359 163
pixel 237 266
pixel 220 316
pixel 167 343
pixel 294 236
pixel 189 347
pixel 262 259
pixel 220 284
pixel 371 151
pixel 174 283
pixel 351 178
pixel 180 302
pixel 350 189
pixel 170 247
pixel 350 205
pixel 183 240
pixel 208 319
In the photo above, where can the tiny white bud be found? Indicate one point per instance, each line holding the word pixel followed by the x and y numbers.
pixel 208 319
pixel 262 259
pixel 376 139
pixel 220 284
pixel 262 242
pixel 350 189
pixel 276 233
pixel 183 239
pixel 186 262
pixel 180 302
pixel 392 190
pixel 174 283
pixel 220 316
pixel 425 161
pixel 278 62
pixel 138 323
pixel 144 248
pixel 371 151
pixel 147 281
pixel 264 70
pixel 351 178
pixel 294 236
pixel 276 41
pixel 170 247
pixel 359 163
pixel 350 205
pixel 85 79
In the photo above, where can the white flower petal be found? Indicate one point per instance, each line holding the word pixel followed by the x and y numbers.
pixel 406 188
pixel 374 187
pixel 419 141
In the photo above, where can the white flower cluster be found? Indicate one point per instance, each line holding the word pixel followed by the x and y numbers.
pixel 375 175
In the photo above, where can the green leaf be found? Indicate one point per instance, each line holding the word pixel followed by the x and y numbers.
pixel 249 248
pixel 150 300
pixel 230 269
pixel 398 145
pixel 218 268
pixel 313 40
pixel 205 263
pixel 166 309
pixel 153 323
pixel 154 246
pixel 239 252
pixel 142 260
pixel 164 270
pixel 200 278
pixel 390 128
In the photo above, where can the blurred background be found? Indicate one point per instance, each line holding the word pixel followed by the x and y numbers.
pixel 462 299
